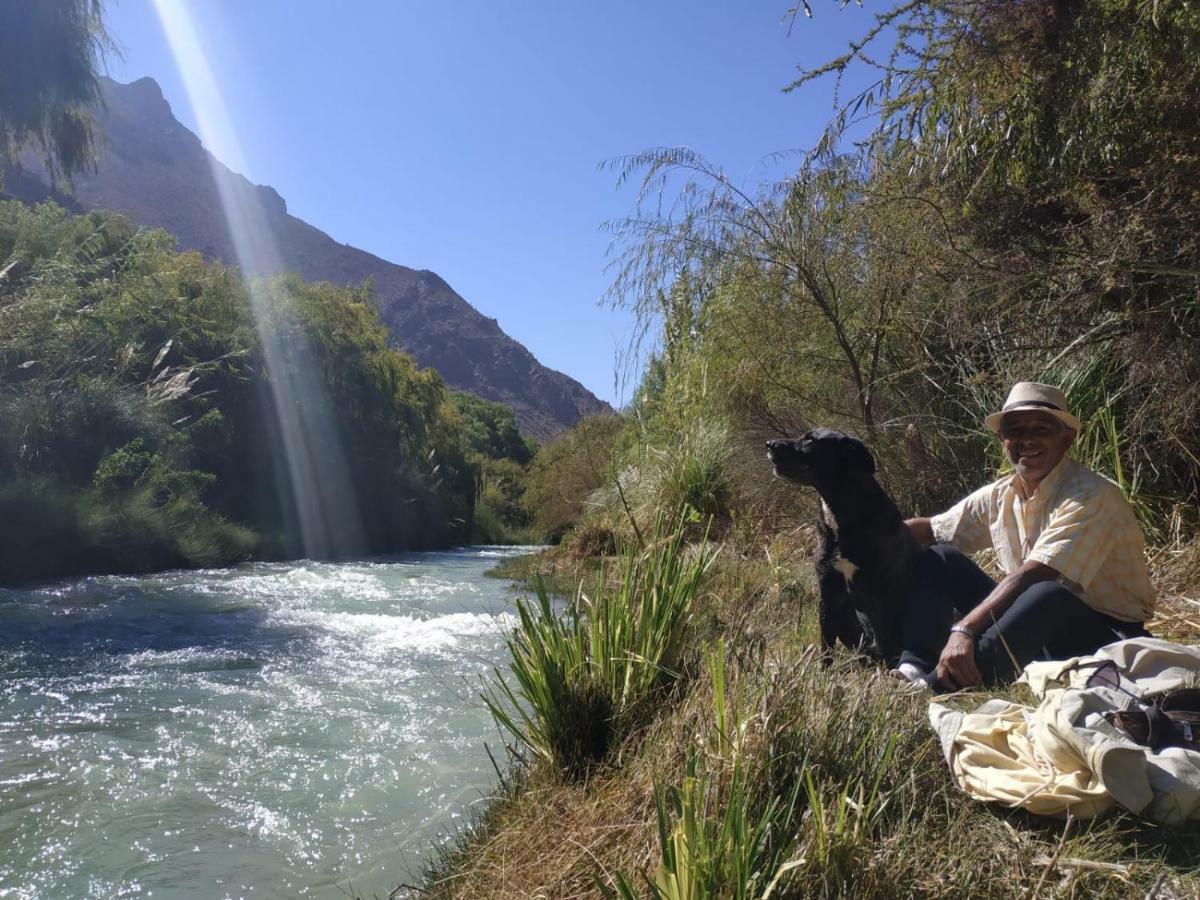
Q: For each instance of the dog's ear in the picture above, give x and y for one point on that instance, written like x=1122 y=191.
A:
x=858 y=456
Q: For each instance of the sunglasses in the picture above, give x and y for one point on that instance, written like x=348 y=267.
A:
x=1169 y=720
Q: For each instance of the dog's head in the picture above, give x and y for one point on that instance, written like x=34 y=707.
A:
x=821 y=456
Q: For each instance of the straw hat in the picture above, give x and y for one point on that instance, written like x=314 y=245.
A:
x=1029 y=395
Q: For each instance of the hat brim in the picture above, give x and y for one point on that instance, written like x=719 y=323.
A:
x=993 y=421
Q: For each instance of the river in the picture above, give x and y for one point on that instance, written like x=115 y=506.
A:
x=290 y=729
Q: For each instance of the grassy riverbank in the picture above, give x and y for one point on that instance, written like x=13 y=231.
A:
x=1020 y=204
x=774 y=763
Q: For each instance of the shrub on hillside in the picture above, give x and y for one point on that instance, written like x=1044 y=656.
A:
x=567 y=470
x=135 y=399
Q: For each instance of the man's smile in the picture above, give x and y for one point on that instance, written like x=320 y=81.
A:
x=1034 y=442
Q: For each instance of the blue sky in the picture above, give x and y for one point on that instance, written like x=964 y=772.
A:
x=467 y=138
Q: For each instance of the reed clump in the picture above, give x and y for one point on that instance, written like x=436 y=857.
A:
x=582 y=679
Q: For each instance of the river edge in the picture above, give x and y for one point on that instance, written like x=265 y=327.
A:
x=543 y=835
x=558 y=570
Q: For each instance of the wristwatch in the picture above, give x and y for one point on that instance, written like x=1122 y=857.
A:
x=963 y=629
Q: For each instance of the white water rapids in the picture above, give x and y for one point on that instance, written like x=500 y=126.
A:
x=277 y=730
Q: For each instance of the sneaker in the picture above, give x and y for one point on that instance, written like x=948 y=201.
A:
x=909 y=672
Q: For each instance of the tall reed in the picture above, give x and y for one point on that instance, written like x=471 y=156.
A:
x=580 y=679
x=717 y=836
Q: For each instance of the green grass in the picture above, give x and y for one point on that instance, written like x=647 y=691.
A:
x=714 y=836
x=779 y=772
x=580 y=679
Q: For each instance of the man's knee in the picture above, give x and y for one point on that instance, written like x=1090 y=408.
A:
x=1047 y=619
x=1075 y=627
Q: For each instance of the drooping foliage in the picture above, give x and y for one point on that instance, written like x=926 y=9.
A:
x=51 y=52
x=136 y=426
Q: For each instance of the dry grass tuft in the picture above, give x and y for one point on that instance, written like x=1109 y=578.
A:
x=549 y=839
x=1176 y=572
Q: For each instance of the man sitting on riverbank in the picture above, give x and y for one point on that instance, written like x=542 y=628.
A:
x=1067 y=540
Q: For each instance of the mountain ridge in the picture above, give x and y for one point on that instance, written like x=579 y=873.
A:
x=153 y=169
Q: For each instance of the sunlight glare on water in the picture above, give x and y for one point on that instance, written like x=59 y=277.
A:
x=278 y=730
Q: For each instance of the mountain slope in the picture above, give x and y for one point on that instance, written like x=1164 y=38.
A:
x=156 y=171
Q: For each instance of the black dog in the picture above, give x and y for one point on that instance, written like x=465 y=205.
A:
x=867 y=557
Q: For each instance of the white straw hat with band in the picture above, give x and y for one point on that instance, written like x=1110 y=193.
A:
x=1029 y=396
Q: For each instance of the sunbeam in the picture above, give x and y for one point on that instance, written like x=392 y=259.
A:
x=318 y=486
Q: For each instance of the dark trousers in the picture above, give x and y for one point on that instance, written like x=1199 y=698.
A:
x=1047 y=621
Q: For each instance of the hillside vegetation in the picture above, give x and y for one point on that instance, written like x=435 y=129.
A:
x=1025 y=206
x=136 y=425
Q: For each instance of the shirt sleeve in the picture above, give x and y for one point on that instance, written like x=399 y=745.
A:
x=1078 y=538
x=966 y=525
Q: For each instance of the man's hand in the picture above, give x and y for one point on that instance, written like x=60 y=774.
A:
x=956 y=668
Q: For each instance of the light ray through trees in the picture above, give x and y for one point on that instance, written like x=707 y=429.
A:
x=318 y=489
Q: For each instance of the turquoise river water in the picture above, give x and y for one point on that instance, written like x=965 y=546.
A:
x=277 y=730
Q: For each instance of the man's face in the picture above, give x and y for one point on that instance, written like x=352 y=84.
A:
x=1034 y=442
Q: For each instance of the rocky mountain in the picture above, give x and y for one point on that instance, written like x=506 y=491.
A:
x=157 y=172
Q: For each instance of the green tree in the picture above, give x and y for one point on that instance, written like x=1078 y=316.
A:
x=790 y=276
x=135 y=423
x=567 y=470
x=490 y=430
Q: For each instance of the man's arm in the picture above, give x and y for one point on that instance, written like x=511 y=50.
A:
x=922 y=530
x=957 y=668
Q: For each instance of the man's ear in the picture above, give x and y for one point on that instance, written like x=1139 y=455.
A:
x=1074 y=434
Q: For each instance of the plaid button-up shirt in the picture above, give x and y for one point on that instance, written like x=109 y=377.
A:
x=1076 y=522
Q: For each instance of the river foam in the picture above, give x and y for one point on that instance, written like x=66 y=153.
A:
x=277 y=730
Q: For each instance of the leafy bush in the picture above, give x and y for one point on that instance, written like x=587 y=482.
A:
x=566 y=471
x=135 y=400
x=489 y=430
x=593 y=537
x=487 y=526
x=689 y=471
x=693 y=474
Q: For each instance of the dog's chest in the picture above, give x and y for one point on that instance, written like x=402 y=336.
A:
x=838 y=562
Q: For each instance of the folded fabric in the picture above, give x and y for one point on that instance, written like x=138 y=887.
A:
x=1062 y=756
